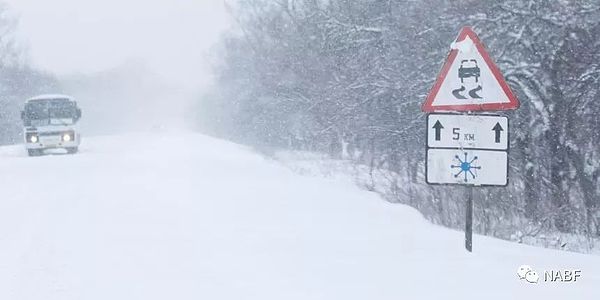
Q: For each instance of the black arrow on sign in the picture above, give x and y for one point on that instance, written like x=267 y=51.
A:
x=438 y=130
x=498 y=128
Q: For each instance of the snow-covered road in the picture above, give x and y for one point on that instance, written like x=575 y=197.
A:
x=185 y=216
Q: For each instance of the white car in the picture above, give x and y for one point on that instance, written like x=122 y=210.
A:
x=50 y=122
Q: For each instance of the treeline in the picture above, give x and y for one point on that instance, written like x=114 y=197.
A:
x=18 y=80
x=348 y=78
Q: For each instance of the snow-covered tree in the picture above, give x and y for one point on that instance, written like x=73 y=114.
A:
x=348 y=78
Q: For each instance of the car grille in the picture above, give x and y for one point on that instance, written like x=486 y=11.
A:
x=50 y=133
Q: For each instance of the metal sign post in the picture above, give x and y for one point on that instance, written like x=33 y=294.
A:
x=468 y=149
x=469 y=220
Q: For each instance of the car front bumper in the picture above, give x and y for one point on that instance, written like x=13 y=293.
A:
x=52 y=142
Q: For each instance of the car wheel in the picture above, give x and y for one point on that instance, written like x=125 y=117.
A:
x=72 y=150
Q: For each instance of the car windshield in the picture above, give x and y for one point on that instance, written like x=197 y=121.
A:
x=50 y=112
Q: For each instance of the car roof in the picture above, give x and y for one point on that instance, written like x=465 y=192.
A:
x=50 y=97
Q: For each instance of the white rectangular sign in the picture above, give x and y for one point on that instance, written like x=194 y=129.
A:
x=467 y=167
x=467 y=131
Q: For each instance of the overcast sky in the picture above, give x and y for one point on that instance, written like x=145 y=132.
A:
x=72 y=36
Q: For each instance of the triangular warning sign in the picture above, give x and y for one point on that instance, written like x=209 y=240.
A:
x=469 y=80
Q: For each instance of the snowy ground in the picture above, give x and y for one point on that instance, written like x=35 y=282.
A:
x=185 y=216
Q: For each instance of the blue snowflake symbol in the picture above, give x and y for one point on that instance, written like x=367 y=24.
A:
x=465 y=166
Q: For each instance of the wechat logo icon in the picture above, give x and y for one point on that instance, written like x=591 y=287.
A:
x=526 y=273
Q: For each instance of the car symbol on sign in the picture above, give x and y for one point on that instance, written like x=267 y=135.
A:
x=468 y=68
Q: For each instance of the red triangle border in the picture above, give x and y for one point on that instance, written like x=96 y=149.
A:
x=513 y=101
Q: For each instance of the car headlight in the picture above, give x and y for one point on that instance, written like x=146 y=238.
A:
x=31 y=137
x=67 y=137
